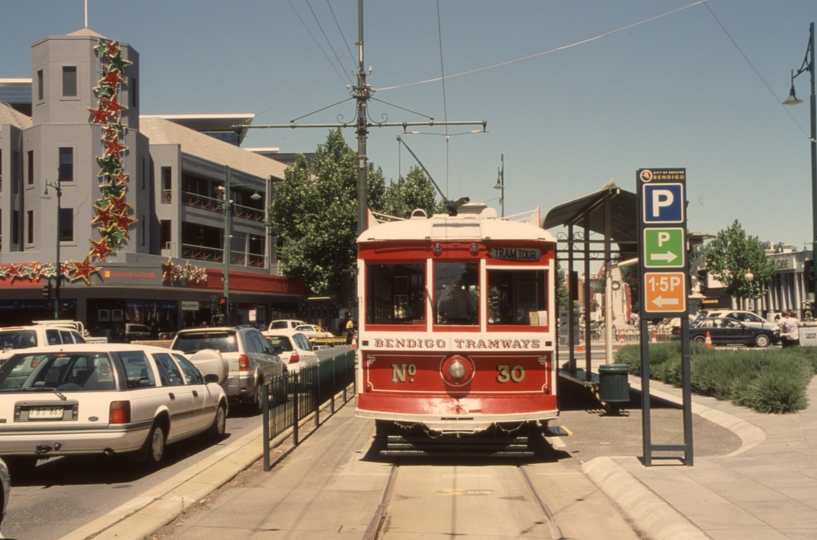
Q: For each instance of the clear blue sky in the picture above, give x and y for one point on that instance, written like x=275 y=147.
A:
x=698 y=88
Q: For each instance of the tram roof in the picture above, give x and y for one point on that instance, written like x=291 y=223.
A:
x=474 y=221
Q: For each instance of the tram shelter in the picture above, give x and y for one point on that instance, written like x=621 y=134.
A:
x=601 y=226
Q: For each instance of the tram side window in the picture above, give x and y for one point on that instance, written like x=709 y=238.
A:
x=395 y=293
x=517 y=297
x=456 y=293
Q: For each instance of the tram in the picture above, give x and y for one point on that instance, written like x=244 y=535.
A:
x=457 y=329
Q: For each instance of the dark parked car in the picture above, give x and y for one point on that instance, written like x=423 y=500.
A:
x=728 y=331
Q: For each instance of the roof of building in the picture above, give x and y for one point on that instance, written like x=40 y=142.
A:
x=86 y=32
x=211 y=122
x=9 y=116
x=162 y=131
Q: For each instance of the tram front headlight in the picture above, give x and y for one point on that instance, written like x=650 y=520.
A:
x=456 y=370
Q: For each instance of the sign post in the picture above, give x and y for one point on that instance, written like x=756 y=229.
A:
x=664 y=270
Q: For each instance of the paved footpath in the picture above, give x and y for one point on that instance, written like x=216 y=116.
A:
x=767 y=489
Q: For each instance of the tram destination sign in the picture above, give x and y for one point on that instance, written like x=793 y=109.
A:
x=662 y=242
x=516 y=254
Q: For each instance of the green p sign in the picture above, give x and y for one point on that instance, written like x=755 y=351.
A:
x=664 y=248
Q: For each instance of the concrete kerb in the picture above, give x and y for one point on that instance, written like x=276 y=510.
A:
x=142 y=516
x=653 y=516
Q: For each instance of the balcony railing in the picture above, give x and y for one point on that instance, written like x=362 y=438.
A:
x=211 y=254
x=202 y=202
x=167 y=196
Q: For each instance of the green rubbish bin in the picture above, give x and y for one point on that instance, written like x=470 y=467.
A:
x=613 y=384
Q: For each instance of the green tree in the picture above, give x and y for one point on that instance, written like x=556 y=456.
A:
x=413 y=191
x=562 y=294
x=315 y=212
x=731 y=255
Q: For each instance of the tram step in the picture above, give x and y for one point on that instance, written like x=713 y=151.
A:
x=448 y=445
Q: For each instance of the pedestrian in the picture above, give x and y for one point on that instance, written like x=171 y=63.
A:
x=350 y=330
x=781 y=324
x=792 y=328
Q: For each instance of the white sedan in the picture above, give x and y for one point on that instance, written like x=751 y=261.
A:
x=293 y=348
x=103 y=399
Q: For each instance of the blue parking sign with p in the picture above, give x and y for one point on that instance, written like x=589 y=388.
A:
x=663 y=203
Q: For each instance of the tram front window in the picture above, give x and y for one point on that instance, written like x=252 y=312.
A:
x=456 y=293
x=517 y=297
x=395 y=293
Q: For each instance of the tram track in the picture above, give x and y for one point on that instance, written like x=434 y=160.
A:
x=383 y=514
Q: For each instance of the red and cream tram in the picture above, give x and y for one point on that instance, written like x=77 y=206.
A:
x=457 y=327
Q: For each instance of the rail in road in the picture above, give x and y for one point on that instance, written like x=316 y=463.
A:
x=515 y=484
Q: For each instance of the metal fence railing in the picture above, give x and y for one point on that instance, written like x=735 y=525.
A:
x=291 y=397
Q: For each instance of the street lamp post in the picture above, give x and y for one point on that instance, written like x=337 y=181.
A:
x=226 y=205
x=808 y=65
x=58 y=274
x=500 y=185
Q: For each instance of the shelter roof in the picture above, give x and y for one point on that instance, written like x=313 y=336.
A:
x=624 y=224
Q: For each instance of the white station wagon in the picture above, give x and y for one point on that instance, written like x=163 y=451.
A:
x=103 y=399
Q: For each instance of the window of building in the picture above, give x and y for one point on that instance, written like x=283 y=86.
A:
x=30 y=167
x=66 y=165
x=164 y=234
x=69 y=81
x=15 y=227
x=30 y=228
x=167 y=185
x=144 y=172
x=15 y=172
x=142 y=232
x=133 y=93
x=40 y=85
x=66 y=224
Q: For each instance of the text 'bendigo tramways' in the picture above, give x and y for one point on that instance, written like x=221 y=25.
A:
x=399 y=343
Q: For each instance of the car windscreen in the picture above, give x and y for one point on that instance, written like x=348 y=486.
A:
x=278 y=324
x=63 y=372
x=17 y=339
x=198 y=341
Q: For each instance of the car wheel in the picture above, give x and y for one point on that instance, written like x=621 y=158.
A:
x=216 y=431
x=700 y=340
x=258 y=400
x=762 y=340
x=155 y=444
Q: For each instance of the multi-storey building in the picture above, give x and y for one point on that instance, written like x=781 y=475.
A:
x=146 y=216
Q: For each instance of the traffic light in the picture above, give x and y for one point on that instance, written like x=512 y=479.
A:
x=222 y=303
x=47 y=289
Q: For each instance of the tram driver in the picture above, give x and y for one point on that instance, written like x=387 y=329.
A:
x=456 y=305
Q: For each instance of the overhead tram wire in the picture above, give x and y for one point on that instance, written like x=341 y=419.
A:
x=332 y=63
x=445 y=102
x=557 y=49
x=328 y=42
x=340 y=31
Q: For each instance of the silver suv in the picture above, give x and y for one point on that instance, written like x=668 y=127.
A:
x=250 y=359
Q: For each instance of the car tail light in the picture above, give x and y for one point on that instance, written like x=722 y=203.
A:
x=294 y=358
x=243 y=363
x=119 y=413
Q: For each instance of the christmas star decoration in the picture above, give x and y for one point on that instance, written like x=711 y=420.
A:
x=113 y=189
x=104 y=91
x=101 y=47
x=118 y=63
x=169 y=271
x=112 y=49
x=100 y=249
x=113 y=106
x=112 y=131
x=111 y=77
x=104 y=216
x=109 y=165
x=119 y=205
x=122 y=178
x=113 y=235
x=123 y=221
x=100 y=115
x=114 y=148
x=83 y=270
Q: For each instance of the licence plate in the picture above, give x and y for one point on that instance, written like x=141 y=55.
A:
x=45 y=413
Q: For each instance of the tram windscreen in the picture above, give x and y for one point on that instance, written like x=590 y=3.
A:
x=456 y=293
x=395 y=293
x=517 y=297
